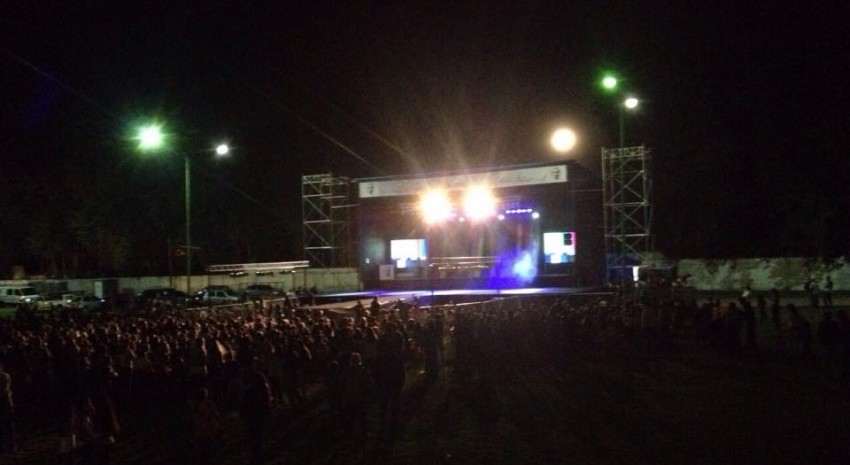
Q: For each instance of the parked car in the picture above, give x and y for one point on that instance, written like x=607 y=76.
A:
x=85 y=302
x=167 y=294
x=213 y=287
x=216 y=296
x=18 y=294
x=260 y=291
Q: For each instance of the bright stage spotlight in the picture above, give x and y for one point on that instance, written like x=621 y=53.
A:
x=479 y=203
x=435 y=206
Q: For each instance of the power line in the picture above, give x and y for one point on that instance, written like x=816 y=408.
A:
x=352 y=120
x=325 y=135
x=33 y=67
x=71 y=90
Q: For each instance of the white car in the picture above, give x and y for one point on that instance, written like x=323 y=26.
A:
x=218 y=297
x=86 y=302
x=18 y=294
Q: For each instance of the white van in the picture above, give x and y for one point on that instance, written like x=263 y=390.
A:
x=18 y=294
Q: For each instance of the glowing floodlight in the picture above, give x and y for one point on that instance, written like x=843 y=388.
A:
x=434 y=206
x=535 y=215
x=479 y=203
x=563 y=140
x=631 y=103
x=609 y=83
x=222 y=150
x=150 y=137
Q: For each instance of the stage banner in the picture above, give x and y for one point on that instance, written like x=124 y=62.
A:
x=494 y=179
x=386 y=272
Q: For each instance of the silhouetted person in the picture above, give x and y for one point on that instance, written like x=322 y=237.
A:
x=761 y=304
x=255 y=409
x=749 y=327
x=374 y=307
x=355 y=396
x=827 y=292
x=801 y=330
x=7 y=414
x=734 y=322
x=390 y=374
x=829 y=336
x=205 y=425
x=811 y=288
x=776 y=315
x=358 y=312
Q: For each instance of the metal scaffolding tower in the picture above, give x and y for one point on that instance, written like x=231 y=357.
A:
x=628 y=210
x=326 y=212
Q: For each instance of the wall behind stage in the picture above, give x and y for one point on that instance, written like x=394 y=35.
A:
x=763 y=273
x=326 y=280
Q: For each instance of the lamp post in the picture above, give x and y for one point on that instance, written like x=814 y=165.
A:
x=151 y=138
x=629 y=104
x=609 y=84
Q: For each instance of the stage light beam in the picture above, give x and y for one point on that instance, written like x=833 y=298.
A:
x=434 y=205
x=479 y=203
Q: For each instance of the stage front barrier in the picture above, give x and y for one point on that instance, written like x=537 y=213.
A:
x=465 y=267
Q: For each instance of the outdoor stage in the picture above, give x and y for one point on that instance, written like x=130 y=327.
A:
x=347 y=301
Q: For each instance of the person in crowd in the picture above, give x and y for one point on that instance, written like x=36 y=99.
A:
x=829 y=337
x=8 y=444
x=761 y=305
x=750 y=326
x=812 y=290
x=374 y=307
x=255 y=409
x=356 y=387
x=205 y=426
x=826 y=292
x=801 y=331
x=390 y=375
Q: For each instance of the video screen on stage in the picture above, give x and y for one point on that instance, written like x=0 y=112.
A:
x=559 y=247
x=406 y=252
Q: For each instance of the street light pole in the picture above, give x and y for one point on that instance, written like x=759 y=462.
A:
x=630 y=103
x=187 y=172
x=151 y=138
x=622 y=126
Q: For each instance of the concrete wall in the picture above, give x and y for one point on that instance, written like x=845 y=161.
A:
x=763 y=273
x=325 y=279
x=704 y=275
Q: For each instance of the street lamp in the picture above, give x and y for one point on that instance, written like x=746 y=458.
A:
x=630 y=104
x=151 y=137
x=610 y=83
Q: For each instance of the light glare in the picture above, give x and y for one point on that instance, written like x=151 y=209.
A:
x=150 y=137
x=222 y=149
x=479 y=203
x=609 y=82
x=563 y=140
x=631 y=103
x=434 y=206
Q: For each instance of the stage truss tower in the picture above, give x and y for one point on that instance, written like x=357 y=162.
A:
x=326 y=210
x=627 y=209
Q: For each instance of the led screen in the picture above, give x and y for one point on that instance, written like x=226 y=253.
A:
x=404 y=251
x=559 y=247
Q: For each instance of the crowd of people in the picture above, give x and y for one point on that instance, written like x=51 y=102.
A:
x=82 y=370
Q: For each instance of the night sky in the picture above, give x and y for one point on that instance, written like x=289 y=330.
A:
x=744 y=106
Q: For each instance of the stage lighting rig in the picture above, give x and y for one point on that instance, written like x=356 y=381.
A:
x=435 y=206
x=479 y=203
